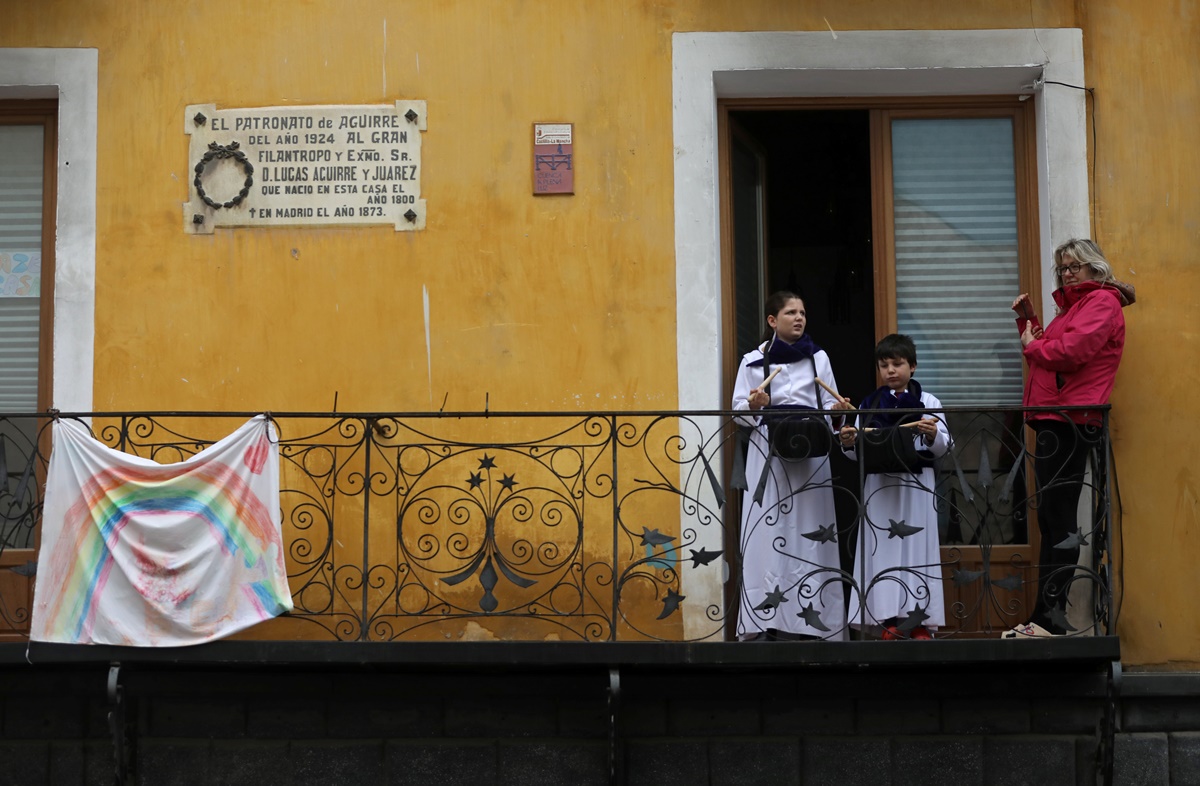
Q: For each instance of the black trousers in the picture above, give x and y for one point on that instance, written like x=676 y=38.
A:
x=1061 y=454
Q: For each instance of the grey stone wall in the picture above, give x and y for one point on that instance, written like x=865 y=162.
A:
x=537 y=725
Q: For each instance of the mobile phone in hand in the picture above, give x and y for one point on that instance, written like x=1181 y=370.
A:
x=1024 y=309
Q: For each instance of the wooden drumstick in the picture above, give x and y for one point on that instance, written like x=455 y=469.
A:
x=767 y=381
x=831 y=391
x=902 y=425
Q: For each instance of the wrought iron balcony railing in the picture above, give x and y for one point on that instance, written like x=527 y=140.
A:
x=620 y=526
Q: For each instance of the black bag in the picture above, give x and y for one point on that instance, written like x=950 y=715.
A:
x=891 y=450
x=796 y=433
x=799 y=434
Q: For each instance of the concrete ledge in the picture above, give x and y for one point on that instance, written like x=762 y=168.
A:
x=1173 y=685
x=817 y=654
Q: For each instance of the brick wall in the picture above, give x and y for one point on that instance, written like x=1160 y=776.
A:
x=538 y=724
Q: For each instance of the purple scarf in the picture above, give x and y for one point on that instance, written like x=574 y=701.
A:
x=884 y=398
x=780 y=352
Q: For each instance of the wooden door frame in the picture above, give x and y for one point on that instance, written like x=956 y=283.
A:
x=1028 y=247
x=727 y=129
x=43 y=112
x=881 y=110
x=1025 y=187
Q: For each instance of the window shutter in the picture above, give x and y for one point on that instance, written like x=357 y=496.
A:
x=20 y=265
x=956 y=249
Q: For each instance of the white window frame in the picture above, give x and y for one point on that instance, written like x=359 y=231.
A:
x=71 y=76
x=709 y=66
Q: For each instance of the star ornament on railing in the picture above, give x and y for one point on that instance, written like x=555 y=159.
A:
x=1072 y=541
x=28 y=570
x=1058 y=618
x=813 y=618
x=898 y=529
x=824 y=533
x=489 y=558
x=915 y=618
x=965 y=577
x=652 y=537
x=17 y=506
x=774 y=599
x=671 y=603
x=1011 y=582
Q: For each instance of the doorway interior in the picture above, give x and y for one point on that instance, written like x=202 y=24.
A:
x=809 y=208
x=802 y=222
x=811 y=170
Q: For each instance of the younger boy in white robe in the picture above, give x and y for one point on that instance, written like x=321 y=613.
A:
x=897 y=563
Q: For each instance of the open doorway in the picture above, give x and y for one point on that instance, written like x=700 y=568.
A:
x=802 y=222
x=915 y=217
x=814 y=212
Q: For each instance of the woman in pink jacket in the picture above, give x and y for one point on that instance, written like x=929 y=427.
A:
x=1073 y=362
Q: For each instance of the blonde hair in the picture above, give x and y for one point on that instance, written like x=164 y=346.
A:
x=1085 y=252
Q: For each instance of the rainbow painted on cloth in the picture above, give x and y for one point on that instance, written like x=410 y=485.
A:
x=211 y=492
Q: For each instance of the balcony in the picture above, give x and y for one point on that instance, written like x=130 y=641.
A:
x=510 y=572
x=591 y=527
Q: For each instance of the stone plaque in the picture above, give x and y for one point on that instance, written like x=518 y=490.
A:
x=304 y=166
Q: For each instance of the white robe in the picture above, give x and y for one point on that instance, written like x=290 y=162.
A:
x=798 y=499
x=900 y=574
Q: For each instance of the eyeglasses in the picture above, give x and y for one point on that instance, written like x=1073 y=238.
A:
x=1074 y=267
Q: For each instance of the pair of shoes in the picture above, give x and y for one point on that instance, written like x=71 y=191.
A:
x=920 y=633
x=1028 y=630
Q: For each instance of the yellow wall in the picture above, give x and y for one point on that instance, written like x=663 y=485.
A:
x=1142 y=61
x=556 y=303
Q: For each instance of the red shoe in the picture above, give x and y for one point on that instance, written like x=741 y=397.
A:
x=892 y=633
x=921 y=633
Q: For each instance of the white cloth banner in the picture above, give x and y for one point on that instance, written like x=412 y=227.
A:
x=144 y=554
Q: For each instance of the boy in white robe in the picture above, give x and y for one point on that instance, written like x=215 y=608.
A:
x=897 y=563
